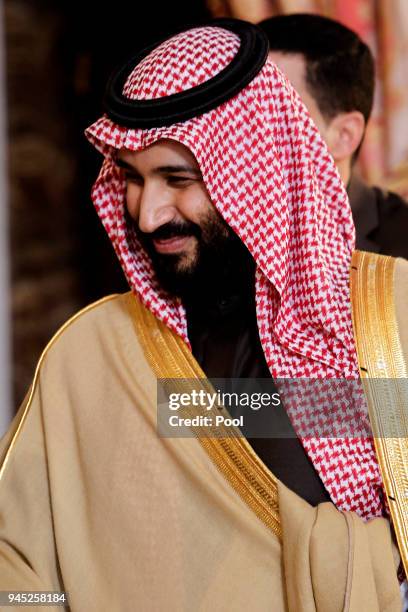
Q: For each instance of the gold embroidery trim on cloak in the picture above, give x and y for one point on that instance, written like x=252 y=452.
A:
x=380 y=357
x=169 y=357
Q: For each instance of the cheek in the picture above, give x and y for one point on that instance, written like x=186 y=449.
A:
x=196 y=204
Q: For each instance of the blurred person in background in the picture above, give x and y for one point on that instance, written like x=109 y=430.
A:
x=333 y=71
x=235 y=234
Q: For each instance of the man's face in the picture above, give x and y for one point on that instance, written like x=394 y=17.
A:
x=175 y=220
x=294 y=67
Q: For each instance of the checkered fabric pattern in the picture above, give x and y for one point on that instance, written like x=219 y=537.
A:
x=270 y=176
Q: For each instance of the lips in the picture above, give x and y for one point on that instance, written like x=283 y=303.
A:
x=171 y=245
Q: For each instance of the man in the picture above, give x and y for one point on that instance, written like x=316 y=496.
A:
x=233 y=229
x=333 y=71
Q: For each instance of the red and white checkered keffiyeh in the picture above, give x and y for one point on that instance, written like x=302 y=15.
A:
x=270 y=176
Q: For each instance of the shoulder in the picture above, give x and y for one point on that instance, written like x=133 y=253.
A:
x=107 y=306
x=390 y=203
x=379 y=296
x=90 y=377
x=392 y=230
x=95 y=355
x=401 y=268
x=401 y=281
x=95 y=314
x=401 y=300
x=96 y=326
x=398 y=266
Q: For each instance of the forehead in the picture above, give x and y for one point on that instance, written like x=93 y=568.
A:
x=161 y=153
x=293 y=66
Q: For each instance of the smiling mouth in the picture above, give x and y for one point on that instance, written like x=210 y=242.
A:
x=171 y=245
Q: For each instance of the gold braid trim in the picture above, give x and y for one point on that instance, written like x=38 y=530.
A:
x=380 y=357
x=169 y=357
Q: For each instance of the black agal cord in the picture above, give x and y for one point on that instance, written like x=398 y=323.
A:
x=250 y=58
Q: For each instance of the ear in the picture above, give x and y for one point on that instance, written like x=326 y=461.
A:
x=344 y=134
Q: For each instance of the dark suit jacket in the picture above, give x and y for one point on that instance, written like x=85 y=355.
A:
x=381 y=219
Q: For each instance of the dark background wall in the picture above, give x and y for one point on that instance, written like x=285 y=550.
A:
x=59 y=56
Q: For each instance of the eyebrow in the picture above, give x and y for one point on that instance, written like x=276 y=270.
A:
x=160 y=169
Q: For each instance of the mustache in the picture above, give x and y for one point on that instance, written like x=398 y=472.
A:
x=171 y=230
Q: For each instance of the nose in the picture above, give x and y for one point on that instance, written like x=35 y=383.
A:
x=150 y=206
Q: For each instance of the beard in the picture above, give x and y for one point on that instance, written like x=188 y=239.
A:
x=218 y=264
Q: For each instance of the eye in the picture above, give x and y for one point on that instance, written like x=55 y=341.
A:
x=132 y=177
x=179 y=181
